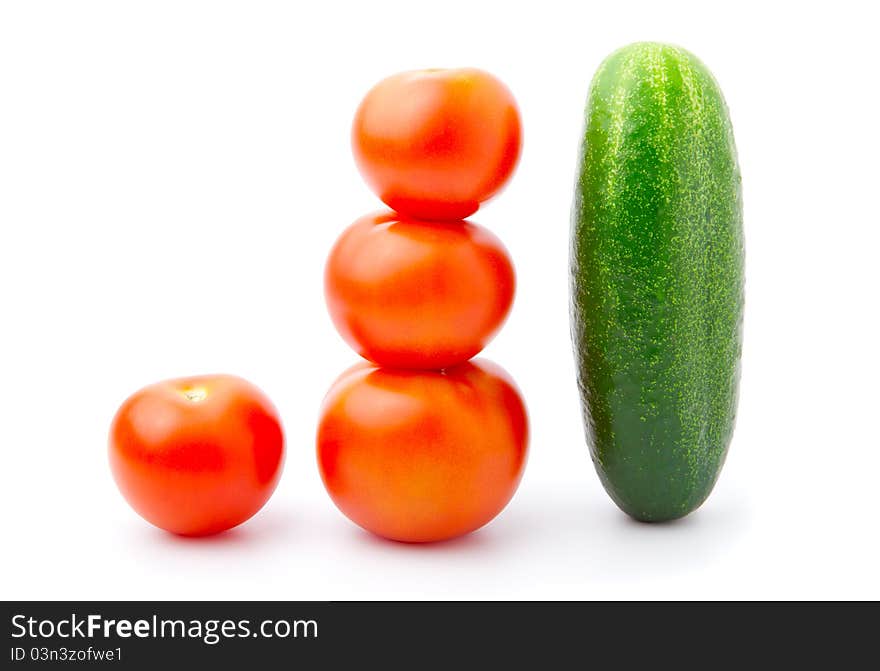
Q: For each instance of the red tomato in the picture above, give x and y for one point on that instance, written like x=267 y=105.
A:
x=197 y=455
x=418 y=294
x=421 y=456
x=434 y=144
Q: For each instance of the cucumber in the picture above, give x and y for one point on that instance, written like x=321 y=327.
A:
x=657 y=279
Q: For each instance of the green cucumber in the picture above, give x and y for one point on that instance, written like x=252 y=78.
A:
x=657 y=279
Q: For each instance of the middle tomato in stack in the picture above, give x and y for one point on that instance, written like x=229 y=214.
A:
x=418 y=294
x=429 y=446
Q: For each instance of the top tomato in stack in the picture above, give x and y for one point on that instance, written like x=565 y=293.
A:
x=435 y=144
x=419 y=287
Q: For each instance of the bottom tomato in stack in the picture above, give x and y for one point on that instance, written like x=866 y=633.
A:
x=417 y=455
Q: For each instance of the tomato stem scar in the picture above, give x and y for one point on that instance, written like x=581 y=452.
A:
x=195 y=395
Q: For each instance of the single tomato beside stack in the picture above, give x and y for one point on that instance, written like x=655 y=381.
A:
x=197 y=455
x=423 y=445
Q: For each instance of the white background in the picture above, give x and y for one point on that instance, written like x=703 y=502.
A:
x=172 y=175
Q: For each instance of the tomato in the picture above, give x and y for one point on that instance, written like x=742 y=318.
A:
x=421 y=456
x=197 y=455
x=418 y=294
x=434 y=144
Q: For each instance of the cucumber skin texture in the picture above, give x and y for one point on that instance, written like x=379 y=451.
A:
x=657 y=279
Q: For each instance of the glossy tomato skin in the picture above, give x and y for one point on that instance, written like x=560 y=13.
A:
x=418 y=294
x=198 y=455
x=434 y=144
x=422 y=456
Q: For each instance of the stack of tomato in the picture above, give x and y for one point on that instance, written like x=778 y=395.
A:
x=418 y=443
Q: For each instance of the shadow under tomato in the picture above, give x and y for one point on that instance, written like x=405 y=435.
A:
x=477 y=542
x=266 y=527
